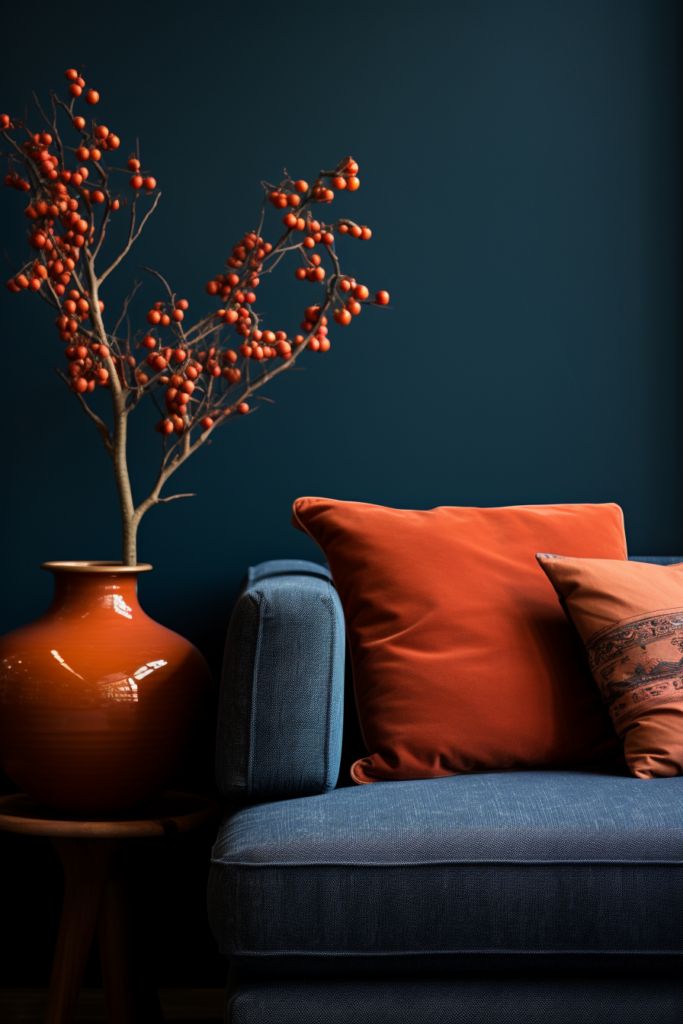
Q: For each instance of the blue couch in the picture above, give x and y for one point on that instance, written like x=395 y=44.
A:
x=538 y=896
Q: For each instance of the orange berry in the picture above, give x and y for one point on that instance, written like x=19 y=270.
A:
x=338 y=182
x=243 y=407
x=136 y=181
x=207 y=422
x=150 y=183
x=301 y=185
x=154 y=316
x=361 y=292
x=96 y=196
x=353 y=183
x=71 y=74
x=382 y=298
x=79 y=123
x=83 y=153
x=113 y=141
x=75 y=89
x=365 y=233
x=289 y=220
x=353 y=307
x=133 y=164
x=92 y=97
x=342 y=316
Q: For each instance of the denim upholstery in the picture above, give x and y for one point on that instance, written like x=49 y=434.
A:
x=281 y=701
x=543 y=862
x=286 y=567
x=475 y=1001
x=452 y=900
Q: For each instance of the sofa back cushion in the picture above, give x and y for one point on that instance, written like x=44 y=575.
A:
x=462 y=657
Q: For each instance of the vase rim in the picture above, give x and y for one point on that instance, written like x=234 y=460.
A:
x=97 y=568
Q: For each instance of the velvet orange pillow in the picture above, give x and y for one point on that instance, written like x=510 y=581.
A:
x=630 y=618
x=462 y=658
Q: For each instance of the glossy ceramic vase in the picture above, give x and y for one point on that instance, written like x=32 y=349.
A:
x=97 y=700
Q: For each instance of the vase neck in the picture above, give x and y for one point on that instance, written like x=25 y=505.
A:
x=92 y=588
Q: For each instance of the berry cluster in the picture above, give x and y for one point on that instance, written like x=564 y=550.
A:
x=199 y=374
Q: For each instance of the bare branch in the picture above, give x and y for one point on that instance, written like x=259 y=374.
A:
x=174 y=497
x=133 y=235
x=99 y=423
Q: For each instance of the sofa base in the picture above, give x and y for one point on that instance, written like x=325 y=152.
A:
x=559 y=1000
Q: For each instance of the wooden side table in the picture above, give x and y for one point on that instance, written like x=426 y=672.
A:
x=95 y=895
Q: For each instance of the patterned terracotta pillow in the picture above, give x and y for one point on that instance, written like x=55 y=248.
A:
x=630 y=618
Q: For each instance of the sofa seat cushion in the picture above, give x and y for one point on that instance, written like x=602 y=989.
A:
x=519 y=863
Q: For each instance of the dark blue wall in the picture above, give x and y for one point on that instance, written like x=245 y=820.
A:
x=521 y=168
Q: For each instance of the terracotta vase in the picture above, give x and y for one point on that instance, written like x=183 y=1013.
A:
x=97 y=700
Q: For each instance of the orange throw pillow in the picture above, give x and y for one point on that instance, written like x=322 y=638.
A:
x=630 y=618
x=462 y=658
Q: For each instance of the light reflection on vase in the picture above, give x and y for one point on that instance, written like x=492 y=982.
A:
x=97 y=700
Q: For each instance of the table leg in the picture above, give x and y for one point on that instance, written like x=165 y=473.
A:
x=129 y=999
x=86 y=865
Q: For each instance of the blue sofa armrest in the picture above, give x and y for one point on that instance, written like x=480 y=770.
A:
x=282 y=687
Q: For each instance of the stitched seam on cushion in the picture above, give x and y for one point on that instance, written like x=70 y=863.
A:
x=302 y=525
x=258 y=601
x=268 y=865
